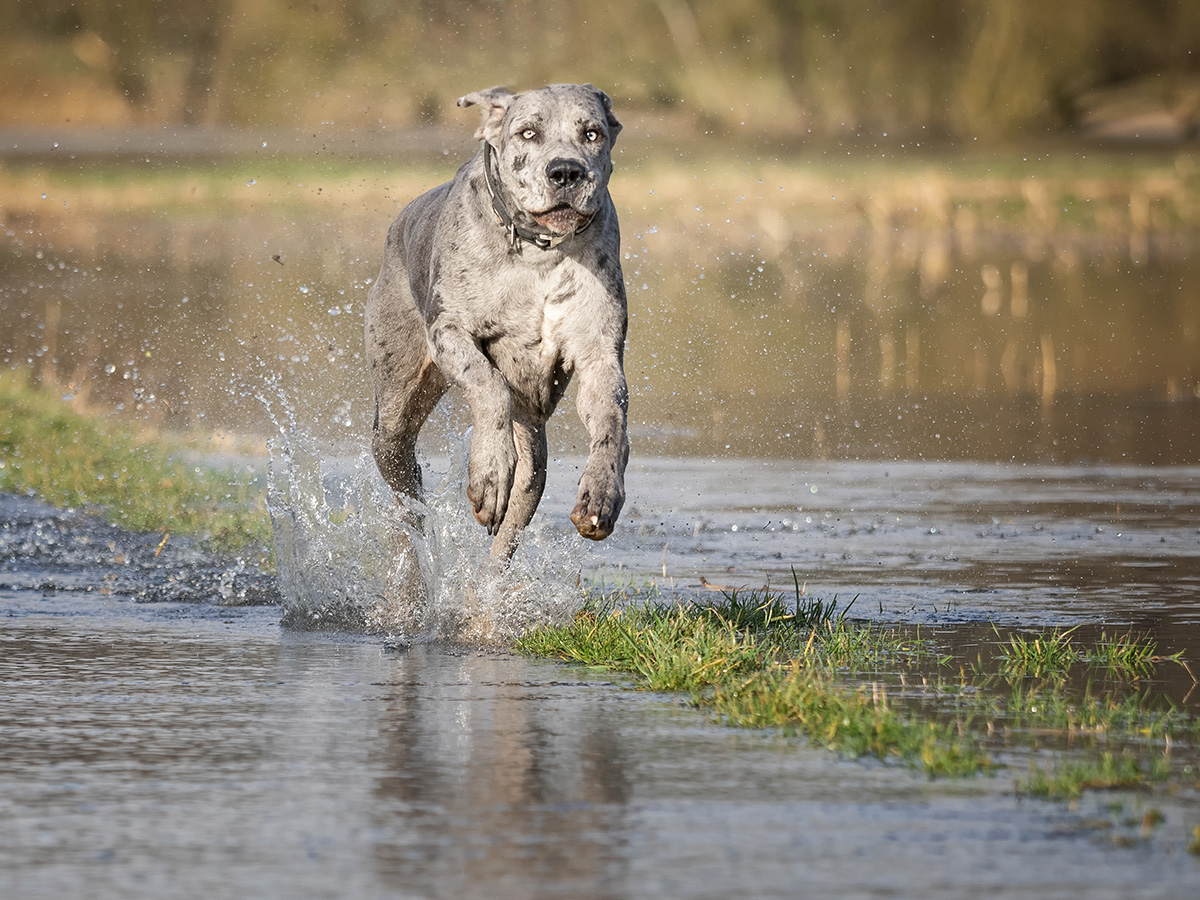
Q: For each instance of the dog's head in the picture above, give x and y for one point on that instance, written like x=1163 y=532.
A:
x=552 y=148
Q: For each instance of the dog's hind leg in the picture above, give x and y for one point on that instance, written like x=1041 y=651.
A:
x=399 y=416
x=407 y=388
x=529 y=481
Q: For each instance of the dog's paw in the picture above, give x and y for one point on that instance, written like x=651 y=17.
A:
x=490 y=479
x=598 y=505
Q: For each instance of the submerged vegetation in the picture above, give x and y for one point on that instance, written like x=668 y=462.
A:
x=1053 y=652
x=70 y=459
x=1069 y=779
x=884 y=691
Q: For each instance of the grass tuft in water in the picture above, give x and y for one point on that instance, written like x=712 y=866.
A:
x=1070 y=778
x=669 y=648
x=759 y=660
x=1131 y=655
x=73 y=460
x=1046 y=653
x=756 y=661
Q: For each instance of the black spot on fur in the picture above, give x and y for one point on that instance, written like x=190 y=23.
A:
x=566 y=290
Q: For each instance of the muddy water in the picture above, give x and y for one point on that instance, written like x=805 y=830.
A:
x=192 y=750
x=162 y=735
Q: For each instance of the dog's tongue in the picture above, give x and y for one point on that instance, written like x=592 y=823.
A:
x=561 y=220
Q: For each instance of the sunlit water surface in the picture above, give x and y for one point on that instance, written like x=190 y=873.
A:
x=161 y=738
x=183 y=750
x=902 y=541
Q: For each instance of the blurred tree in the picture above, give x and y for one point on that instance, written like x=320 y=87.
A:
x=967 y=68
x=135 y=38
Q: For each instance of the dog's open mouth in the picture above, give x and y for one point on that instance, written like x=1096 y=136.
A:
x=561 y=219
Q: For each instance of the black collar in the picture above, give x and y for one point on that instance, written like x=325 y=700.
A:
x=544 y=240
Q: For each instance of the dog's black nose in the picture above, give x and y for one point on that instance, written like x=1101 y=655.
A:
x=565 y=173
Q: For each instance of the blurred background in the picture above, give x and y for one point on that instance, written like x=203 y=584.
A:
x=775 y=69
x=852 y=229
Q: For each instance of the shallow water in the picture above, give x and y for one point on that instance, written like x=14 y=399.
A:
x=185 y=750
x=1034 y=544
x=930 y=543
x=155 y=747
x=162 y=735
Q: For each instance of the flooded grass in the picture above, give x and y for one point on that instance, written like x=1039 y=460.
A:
x=1070 y=191
x=777 y=668
x=1069 y=779
x=1131 y=655
x=1053 y=652
x=890 y=692
x=70 y=459
x=1043 y=654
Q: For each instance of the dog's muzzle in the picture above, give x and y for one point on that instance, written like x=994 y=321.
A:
x=560 y=222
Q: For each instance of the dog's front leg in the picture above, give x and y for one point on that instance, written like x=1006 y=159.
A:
x=493 y=455
x=603 y=405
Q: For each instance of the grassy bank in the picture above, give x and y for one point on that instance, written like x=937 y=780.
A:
x=891 y=693
x=141 y=482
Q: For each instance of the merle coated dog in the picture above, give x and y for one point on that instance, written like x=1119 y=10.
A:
x=506 y=283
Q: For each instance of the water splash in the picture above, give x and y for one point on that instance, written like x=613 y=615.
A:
x=351 y=558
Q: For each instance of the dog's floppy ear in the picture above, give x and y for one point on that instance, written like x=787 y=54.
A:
x=614 y=127
x=495 y=102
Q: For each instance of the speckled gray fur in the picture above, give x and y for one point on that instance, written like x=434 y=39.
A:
x=459 y=302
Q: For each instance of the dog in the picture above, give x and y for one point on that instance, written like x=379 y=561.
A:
x=506 y=283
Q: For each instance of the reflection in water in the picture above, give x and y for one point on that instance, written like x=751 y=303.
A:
x=914 y=340
x=485 y=774
x=449 y=775
x=157 y=750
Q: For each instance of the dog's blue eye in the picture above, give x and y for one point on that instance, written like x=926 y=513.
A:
x=529 y=134
x=592 y=134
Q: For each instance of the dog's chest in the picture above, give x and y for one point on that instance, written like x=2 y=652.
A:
x=530 y=311
x=528 y=339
